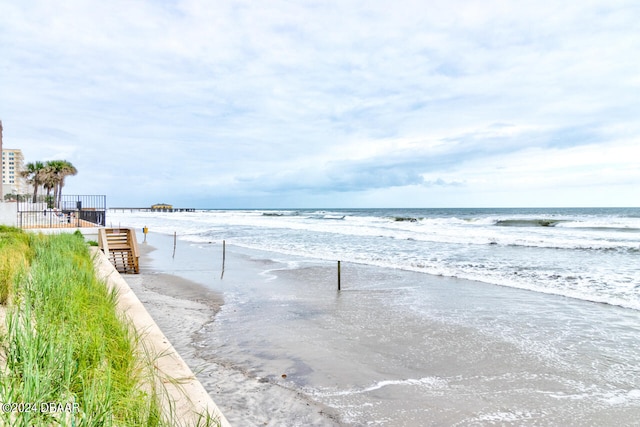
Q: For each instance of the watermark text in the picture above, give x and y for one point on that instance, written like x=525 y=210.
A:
x=48 y=407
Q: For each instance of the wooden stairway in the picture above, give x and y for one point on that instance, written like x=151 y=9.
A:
x=121 y=247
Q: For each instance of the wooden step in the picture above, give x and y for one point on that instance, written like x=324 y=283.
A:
x=121 y=247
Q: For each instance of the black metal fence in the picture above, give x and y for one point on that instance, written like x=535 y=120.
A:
x=71 y=211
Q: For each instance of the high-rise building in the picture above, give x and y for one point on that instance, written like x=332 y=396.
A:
x=1 y=171
x=12 y=181
x=12 y=165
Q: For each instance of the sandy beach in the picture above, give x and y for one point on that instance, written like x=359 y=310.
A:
x=274 y=343
x=182 y=309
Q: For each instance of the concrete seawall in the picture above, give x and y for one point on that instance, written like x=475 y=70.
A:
x=185 y=398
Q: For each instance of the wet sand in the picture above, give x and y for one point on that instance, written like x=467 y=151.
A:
x=182 y=309
x=393 y=348
x=183 y=397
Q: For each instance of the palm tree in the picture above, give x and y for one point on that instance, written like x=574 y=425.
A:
x=49 y=179
x=64 y=170
x=59 y=170
x=54 y=170
x=34 y=172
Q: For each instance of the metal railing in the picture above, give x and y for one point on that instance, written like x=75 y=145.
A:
x=71 y=211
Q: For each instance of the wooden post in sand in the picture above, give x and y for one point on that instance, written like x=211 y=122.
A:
x=338 y=275
x=224 y=255
x=174 y=245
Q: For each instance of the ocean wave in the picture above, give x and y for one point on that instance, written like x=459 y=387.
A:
x=276 y=213
x=330 y=216
x=603 y=250
x=426 y=382
x=405 y=218
x=604 y=228
x=542 y=222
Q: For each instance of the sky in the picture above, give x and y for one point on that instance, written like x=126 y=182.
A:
x=328 y=103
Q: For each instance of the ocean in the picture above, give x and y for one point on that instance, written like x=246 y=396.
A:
x=589 y=254
x=446 y=317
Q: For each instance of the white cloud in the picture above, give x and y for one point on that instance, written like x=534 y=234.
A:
x=307 y=102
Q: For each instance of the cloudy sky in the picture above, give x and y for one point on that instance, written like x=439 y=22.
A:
x=328 y=103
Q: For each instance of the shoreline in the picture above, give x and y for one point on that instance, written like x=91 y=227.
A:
x=184 y=309
x=394 y=347
x=185 y=397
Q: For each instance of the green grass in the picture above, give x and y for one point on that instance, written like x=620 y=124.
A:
x=15 y=255
x=64 y=340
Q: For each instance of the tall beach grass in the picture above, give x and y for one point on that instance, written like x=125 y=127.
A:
x=15 y=255
x=65 y=349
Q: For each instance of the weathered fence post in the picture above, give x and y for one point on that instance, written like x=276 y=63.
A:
x=338 y=275
x=174 y=245
x=224 y=255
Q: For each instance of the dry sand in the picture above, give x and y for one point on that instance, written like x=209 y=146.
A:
x=182 y=309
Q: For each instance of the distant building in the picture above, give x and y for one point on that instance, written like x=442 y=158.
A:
x=1 y=170
x=162 y=207
x=12 y=165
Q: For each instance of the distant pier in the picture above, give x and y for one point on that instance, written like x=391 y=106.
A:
x=163 y=209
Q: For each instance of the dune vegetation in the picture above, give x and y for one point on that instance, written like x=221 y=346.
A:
x=66 y=356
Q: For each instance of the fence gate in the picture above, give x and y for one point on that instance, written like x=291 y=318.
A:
x=69 y=212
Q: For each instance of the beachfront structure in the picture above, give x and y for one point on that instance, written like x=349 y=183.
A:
x=1 y=170
x=154 y=208
x=12 y=180
x=162 y=207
